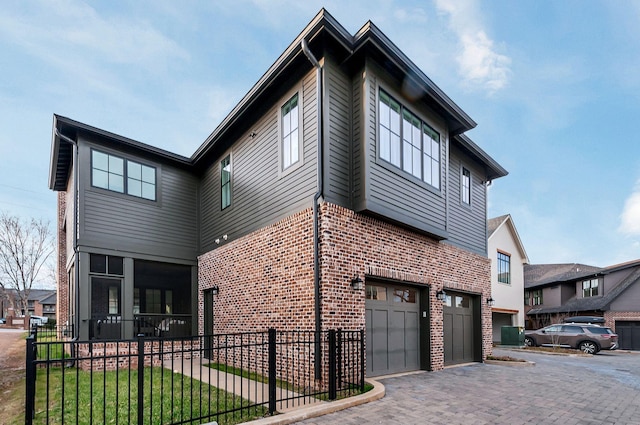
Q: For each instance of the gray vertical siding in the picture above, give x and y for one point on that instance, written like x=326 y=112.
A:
x=260 y=194
x=337 y=148
x=467 y=224
x=166 y=228
x=389 y=191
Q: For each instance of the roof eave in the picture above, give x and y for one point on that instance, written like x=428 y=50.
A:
x=494 y=170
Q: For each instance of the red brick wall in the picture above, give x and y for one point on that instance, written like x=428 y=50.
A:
x=62 y=306
x=266 y=277
x=610 y=317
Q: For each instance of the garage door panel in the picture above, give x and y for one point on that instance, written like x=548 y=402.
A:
x=459 y=323
x=380 y=340
x=628 y=334
x=393 y=331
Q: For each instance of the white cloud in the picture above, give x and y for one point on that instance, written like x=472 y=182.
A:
x=630 y=217
x=480 y=65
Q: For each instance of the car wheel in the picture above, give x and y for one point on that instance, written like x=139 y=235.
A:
x=588 y=347
x=529 y=342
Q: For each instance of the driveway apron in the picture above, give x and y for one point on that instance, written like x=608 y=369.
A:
x=600 y=389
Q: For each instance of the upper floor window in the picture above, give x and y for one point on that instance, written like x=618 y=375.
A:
x=465 y=186
x=590 y=288
x=407 y=142
x=135 y=179
x=225 y=181
x=290 y=137
x=536 y=296
x=504 y=268
x=106 y=264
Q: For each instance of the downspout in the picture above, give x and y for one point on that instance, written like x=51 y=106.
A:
x=76 y=261
x=316 y=212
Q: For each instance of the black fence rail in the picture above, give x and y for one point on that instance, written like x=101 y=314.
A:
x=149 y=325
x=228 y=378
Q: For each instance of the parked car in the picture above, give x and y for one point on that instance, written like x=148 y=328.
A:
x=3 y=320
x=38 y=320
x=587 y=338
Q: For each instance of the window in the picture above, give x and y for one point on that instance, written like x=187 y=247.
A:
x=290 y=139
x=536 y=296
x=527 y=298
x=153 y=299
x=374 y=292
x=590 y=288
x=225 y=181
x=136 y=179
x=407 y=142
x=404 y=296
x=114 y=300
x=504 y=268
x=465 y=183
x=104 y=264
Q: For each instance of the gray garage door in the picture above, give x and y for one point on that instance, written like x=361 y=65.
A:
x=460 y=340
x=628 y=335
x=393 y=331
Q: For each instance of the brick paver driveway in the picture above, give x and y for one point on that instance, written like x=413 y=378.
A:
x=601 y=389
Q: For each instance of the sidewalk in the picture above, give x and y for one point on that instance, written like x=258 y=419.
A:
x=289 y=411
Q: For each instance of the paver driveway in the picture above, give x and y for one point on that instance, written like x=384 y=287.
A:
x=601 y=389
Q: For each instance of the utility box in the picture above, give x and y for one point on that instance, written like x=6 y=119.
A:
x=512 y=335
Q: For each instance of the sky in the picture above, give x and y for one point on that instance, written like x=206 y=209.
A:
x=553 y=85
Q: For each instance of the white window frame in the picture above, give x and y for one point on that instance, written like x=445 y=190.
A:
x=465 y=186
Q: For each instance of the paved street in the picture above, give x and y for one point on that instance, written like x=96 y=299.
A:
x=602 y=389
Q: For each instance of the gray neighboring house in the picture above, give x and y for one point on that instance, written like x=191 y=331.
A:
x=556 y=291
x=341 y=192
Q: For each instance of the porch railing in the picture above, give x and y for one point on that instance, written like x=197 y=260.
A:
x=148 y=325
x=227 y=378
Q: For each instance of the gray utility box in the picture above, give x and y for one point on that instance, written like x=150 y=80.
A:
x=512 y=335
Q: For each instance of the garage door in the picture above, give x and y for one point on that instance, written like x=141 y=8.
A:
x=393 y=330
x=460 y=329
x=628 y=335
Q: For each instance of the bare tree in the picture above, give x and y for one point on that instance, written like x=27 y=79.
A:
x=25 y=248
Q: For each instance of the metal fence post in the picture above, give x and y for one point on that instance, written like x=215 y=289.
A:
x=339 y=359
x=140 y=378
x=272 y=371
x=30 y=401
x=362 y=360
x=332 y=365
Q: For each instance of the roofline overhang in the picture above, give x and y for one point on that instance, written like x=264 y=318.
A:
x=494 y=170
x=66 y=130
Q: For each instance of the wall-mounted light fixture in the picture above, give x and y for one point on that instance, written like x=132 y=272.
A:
x=441 y=295
x=491 y=302
x=215 y=290
x=357 y=283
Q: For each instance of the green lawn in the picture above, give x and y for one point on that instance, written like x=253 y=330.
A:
x=112 y=397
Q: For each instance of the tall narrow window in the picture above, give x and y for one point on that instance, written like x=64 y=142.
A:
x=290 y=139
x=466 y=186
x=504 y=268
x=225 y=181
x=537 y=297
x=114 y=298
x=407 y=142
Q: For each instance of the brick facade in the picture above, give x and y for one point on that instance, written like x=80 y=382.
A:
x=610 y=317
x=62 y=304
x=266 y=278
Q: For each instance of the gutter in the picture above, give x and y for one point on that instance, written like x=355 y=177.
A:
x=76 y=260
x=316 y=212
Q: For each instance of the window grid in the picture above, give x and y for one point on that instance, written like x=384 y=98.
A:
x=407 y=142
x=504 y=268
x=590 y=288
x=537 y=297
x=121 y=175
x=290 y=139
x=466 y=186
x=225 y=181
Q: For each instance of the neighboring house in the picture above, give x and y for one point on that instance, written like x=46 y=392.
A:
x=344 y=165
x=556 y=291
x=508 y=258
x=42 y=302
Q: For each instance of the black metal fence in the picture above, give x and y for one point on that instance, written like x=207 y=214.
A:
x=228 y=378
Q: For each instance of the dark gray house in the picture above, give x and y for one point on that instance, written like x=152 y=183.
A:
x=556 y=291
x=341 y=192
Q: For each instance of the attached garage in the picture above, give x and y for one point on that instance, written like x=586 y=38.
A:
x=628 y=334
x=462 y=328
x=394 y=320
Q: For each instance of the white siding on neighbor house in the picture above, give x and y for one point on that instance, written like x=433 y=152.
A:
x=508 y=297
